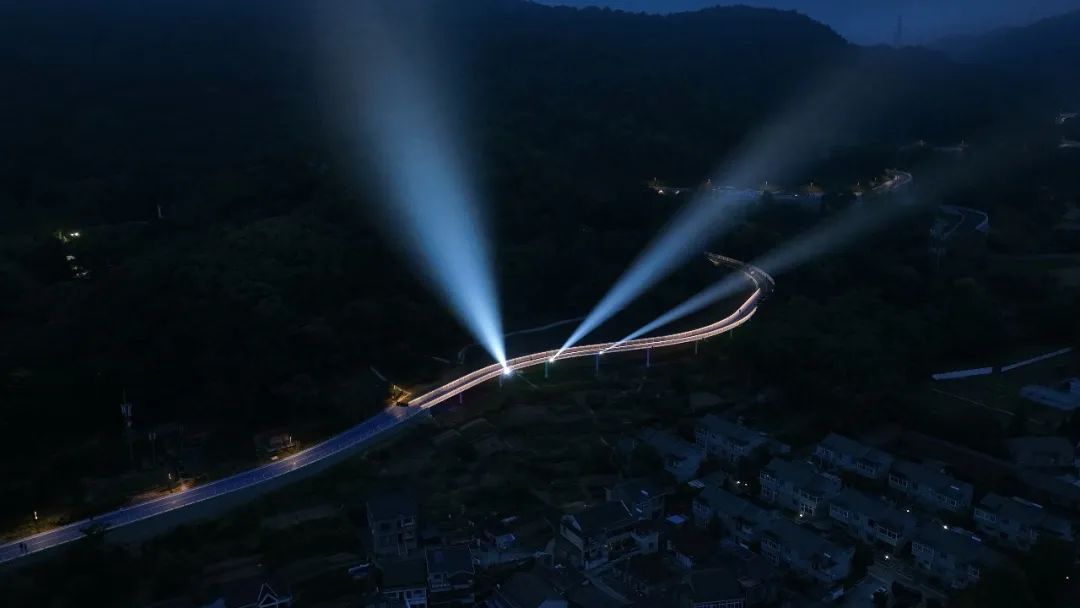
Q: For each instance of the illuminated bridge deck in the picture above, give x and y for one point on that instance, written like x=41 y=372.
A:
x=378 y=426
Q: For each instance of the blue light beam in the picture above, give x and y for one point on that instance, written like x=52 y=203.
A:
x=429 y=201
x=727 y=286
x=848 y=227
x=795 y=138
x=686 y=235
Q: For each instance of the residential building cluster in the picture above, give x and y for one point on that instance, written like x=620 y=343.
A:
x=729 y=518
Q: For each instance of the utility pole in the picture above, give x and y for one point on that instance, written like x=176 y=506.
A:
x=125 y=411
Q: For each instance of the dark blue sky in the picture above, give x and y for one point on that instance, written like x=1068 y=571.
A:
x=872 y=21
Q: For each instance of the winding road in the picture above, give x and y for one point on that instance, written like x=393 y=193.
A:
x=382 y=423
x=968 y=220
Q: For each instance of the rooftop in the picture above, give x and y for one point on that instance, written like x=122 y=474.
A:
x=528 y=589
x=408 y=573
x=876 y=508
x=729 y=504
x=562 y=579
x=803 y=540
x=802 y=475
x=714 y=585
x=1022 y=511
x=378 y=600
x=733 y=431
x=941 y=482
x=632 y=491
x=844 y=445
x=591 y=596
x=1063 y=396
x=648 y=569
x=449 y=560
x=746 y=564
x=390 y=506
x=668 y=444
x=254 y=590
x=717 y=478
x=1059 y=488
x=690 y=542
x=1050 y=445
x=957 y=543
x=601 y=518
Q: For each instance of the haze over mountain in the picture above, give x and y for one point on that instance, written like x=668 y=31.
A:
x=875 y=22
x=1049 y=49
x=219 y=115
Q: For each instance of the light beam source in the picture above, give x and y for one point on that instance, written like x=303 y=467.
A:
x=727 y=286
x=429 y=203
x=683 y=237
x=795 y=138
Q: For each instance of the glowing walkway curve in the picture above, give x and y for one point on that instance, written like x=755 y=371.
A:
x=381 y=423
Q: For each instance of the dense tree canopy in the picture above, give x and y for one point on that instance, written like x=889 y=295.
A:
x=226 y=274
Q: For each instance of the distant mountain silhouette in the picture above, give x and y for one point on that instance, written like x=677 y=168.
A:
x=874 y=22
x=1049 y=48
x=177 y=87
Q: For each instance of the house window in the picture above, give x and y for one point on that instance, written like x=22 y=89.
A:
x=891 y=535
x=724 y=604
x=920 y=549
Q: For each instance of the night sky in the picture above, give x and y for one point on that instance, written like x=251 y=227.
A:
x=874 y=21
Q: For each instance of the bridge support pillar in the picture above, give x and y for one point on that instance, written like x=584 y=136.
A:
x=696 y=345
x=547 y=369
x=648 y=357
x=460 y=398
x=596 y=370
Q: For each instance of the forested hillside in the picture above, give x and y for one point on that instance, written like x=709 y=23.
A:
x=225 y=273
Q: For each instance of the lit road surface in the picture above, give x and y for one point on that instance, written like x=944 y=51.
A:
x=384 y=421
x=896 y=180
x=968 y=220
